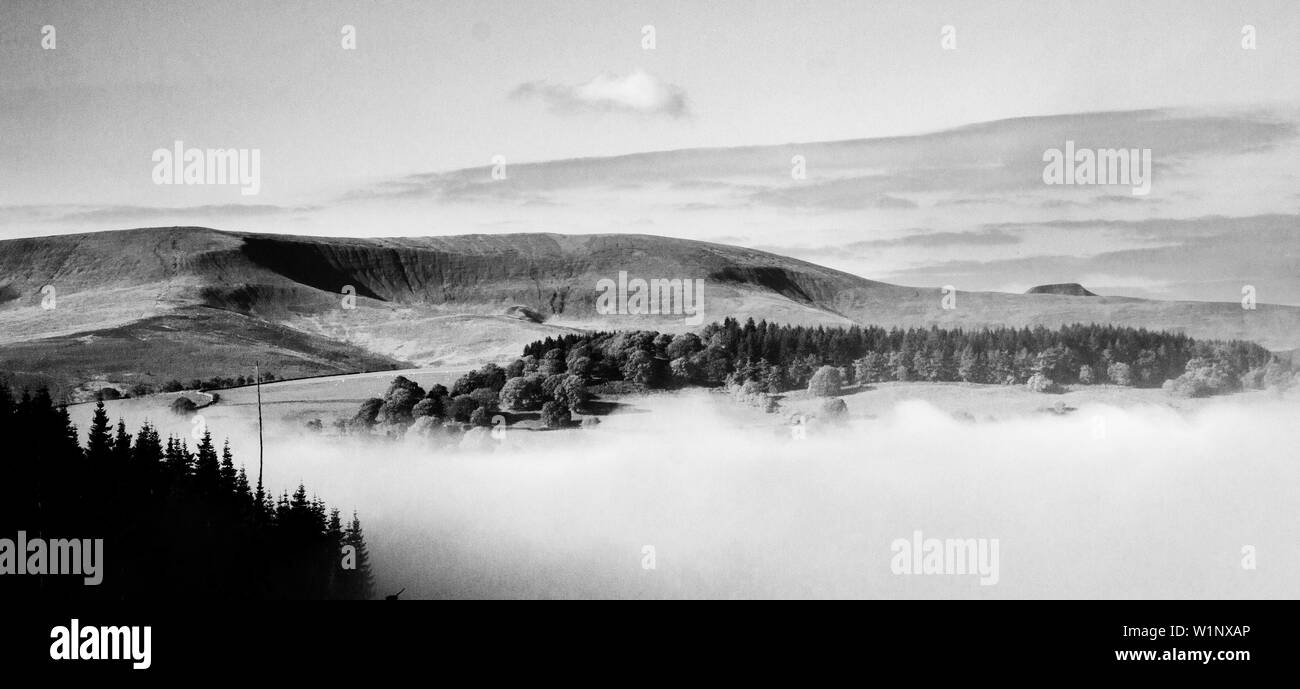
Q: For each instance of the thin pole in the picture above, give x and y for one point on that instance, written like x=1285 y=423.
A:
x=257 y=373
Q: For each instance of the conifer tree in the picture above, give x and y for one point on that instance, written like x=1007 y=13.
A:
x=13 y=468
x=207 y=468
x=360 y=582
x=227 y=469
x=241 y=483
x=165 y=534
x=99 y=444
x=69 y=441
x=7 y=407
x=121 y=447
x=146 y=459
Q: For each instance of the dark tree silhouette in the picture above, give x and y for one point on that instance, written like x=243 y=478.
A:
x=358 y=582
x=784 y=357
x=176 y=525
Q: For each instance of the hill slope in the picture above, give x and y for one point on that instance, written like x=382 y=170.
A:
x=1070 y=289
x=317 y=305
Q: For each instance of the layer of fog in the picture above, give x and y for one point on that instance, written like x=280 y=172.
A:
x=1103 y=502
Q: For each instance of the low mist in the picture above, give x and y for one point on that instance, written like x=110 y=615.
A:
x=1143 y=502
x=1104 y=502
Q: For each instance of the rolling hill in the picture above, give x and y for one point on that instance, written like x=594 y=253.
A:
x=1069 y=289
x=148 y=305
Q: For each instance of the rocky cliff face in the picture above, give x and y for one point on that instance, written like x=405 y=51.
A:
x=551 y=274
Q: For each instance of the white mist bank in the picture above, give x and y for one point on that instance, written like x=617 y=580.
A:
x=1144 y=502
x=1101 y=503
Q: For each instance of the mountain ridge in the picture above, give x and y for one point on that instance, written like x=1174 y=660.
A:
x=455 y=300
x=1071 y=289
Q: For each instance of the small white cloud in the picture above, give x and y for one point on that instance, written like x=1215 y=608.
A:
x=637 y=92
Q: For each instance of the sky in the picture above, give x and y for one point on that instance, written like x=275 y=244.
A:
x=936 y=117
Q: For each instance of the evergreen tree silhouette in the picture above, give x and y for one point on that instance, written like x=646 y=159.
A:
x=227 y=469
x=146 y=460
x=241 y=486
x=360 y=582
x=334 y=539
x=121 y=452
x=176 y=525
x=207 y=468
x=14 y=466
x=99 y=443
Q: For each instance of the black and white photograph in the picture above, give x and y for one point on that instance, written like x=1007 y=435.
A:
x=750 y=300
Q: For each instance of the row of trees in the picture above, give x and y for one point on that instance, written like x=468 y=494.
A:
x=782 y=357
x=176 y=522
x=555 y=375
x=213 y=383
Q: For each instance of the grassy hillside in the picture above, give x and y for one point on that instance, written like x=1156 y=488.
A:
x=186 y=344
x=161 y=303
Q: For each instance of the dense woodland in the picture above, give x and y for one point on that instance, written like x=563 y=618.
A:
x=558 y=375
x=176 y=523
x=782 y=357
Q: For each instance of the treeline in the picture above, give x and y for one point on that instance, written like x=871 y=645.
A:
x=783 y=357
x=176 y=522
x=174 y=385
x=213 y=383
x=558 y=375
x=216 y=382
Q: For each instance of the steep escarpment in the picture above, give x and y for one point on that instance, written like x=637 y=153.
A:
x=551 y=274
x=554 y=275
x=408 y=271
x=449 y=301
x=147 y=305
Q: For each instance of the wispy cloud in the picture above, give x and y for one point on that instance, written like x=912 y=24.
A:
x=637 y=92
x=115 y=215
x=987 y=237
x=1208 y=258
x=920 y=240
x=993 y=166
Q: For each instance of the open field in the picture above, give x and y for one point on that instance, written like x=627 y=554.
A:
x=286 y=405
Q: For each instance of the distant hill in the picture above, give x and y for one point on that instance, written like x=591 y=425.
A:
x=1069 y=289
x=149 y=305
